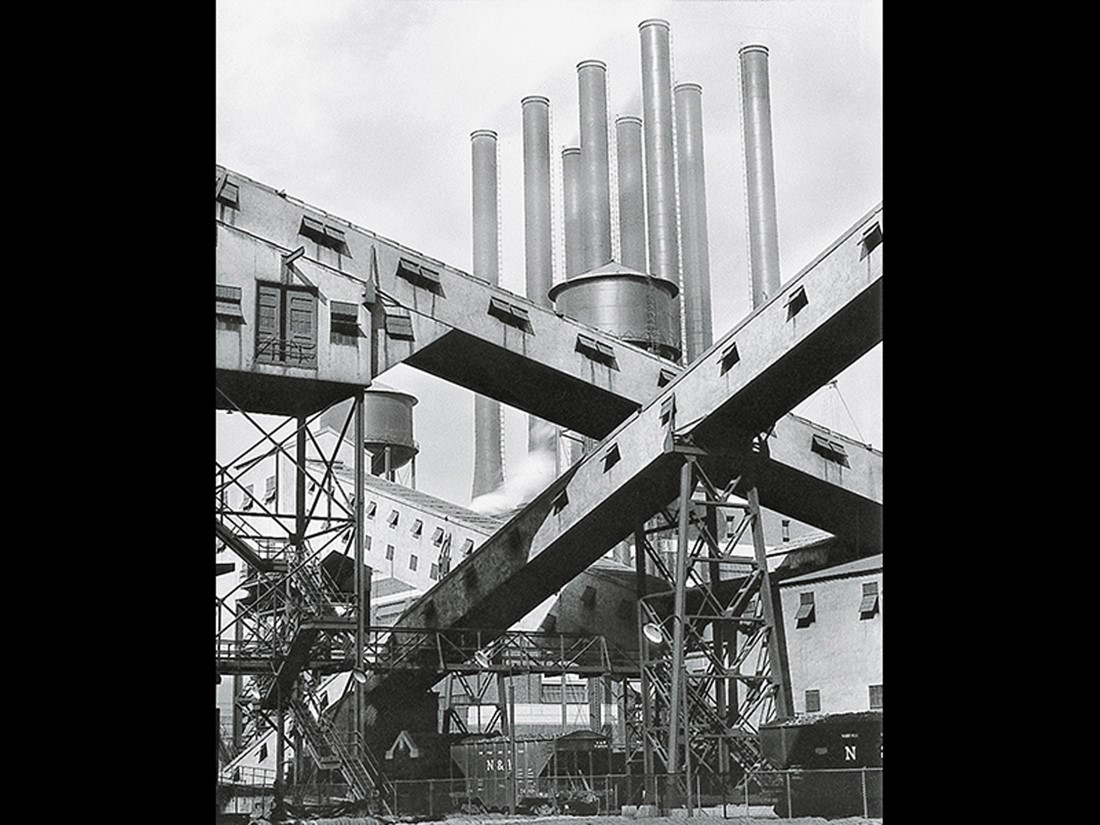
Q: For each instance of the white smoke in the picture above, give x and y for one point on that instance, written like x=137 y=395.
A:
x=529 y=479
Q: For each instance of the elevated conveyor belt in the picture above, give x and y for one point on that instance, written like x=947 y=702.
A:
x=822 y=321
x=494 y=342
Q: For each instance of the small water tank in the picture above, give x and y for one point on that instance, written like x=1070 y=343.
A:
x=388 y=425
x=634 y=306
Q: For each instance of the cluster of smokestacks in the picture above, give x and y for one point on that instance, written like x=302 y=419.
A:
x=662 y=228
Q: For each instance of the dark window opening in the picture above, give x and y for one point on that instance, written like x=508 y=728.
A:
x=227 y=301
x=831 y=450
x=400 y=327
x=324 y=234
x=417 y=528
x=372 y=507
x=868 y=607
x=413 y=560
x=611 y=457
x=394 y=518
x=813 y=701
x=511 y=314
x=437 y=536
x=248 y=501
x=730 y=356
x=596 y=350
x=389 y=552
x=420 y=275
x=560 y=502
x=796 y=302
x=269 y=490
x=872 y=237
x=434 y=571
x=588 y=598
x=805 y=614
x=875 y=696
x=228 y=193
x=286 y=325
x=668 y=411
x=344 y=322
x=467 y=547
x=664 y=377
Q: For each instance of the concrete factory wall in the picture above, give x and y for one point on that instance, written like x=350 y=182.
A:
x=838 y=650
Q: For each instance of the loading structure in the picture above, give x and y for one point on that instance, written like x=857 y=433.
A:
x=407 y=307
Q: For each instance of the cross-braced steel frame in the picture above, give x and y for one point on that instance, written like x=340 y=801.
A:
x=293 y=619
x=713 y=662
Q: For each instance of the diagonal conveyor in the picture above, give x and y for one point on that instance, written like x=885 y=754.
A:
x=822 y=321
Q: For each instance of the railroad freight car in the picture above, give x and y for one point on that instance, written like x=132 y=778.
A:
x=834 y=763
x=544 y=780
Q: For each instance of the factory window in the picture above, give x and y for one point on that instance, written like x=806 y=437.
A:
x=269 y=490
x=467 y=547
x=554 y=690
x=413 y=560
x=730 y=356
x=227 y=193
x=869 y=606
x=437 y=536
x=805 y=615
x=875 y=696
x=344 y=319
x=419 y=275
x=227 y=305
x=247 y=502
x=871 y=237
x=813 y=701
x=366 y=544
x=394 y=517
x=389 y=552
x=417 y=528
x=324 y=234
x=796 y=302
x=263 y=752
x=434 y=571
x=372 y=507
x=511 y=314
x=400 y=327
x=596 y=350
x=831 y=450
x=286 y=325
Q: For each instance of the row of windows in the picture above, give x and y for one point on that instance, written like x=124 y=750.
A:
x=874 y=699
x=868 y=606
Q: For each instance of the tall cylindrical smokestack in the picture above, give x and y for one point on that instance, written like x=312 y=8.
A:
x=595 y=186
x=660 y=160
x=488 y=460
x=571 y=195
x=698 y=330
x=536 y=198
x=541 y=436
x=760 y=174
x=628 y=135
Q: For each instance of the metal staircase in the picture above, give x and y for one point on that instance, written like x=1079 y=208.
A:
x=329 y=751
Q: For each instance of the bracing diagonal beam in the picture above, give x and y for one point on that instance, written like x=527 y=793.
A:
x=822 y=321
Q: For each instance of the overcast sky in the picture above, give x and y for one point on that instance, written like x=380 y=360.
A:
x=364 y=108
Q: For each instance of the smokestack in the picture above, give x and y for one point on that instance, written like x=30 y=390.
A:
x=628 y=135
x=488 y=458
x=698 y=331
x=571 y=192
x=536 y=198
x=537 y=235
x=595 y=187
x=760 y=173
x=660 y=171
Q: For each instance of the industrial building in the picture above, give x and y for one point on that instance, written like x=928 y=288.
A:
x=694 y=564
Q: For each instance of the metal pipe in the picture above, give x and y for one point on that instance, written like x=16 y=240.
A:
x=660 y=160
x=694 y=250
x=357 y=579
x=571 y=192
x=595 y=169
x=632 y=249
x=488 y=461
x=760 y=174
